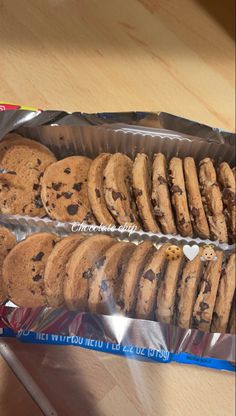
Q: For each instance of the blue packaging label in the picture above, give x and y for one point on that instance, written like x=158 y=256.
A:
x=129 y=351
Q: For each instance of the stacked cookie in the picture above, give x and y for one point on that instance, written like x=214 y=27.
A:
x=103 y=275
x=154 y=195
x=24 y=162
x=7 y=242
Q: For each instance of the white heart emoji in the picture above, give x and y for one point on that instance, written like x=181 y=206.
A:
x=190 y=251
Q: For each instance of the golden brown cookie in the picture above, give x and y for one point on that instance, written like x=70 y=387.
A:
x=224 y=297
x=26 y=161
x=187 y=291
x=150 y=120
x=65 y=191
x=234 y=172
x=132 y=274
x=179 y=197
x=173 y=252
x=148 y=284
x=7 y=242
x=161 y=196
x=227 y=180
x=167 y=291
x=141 y=176
x=107 y=279
x=212 y=200
x=196 y=209
x=80 y=268
x=232 y=319
x=118 y=190
x=205 y=302
x=55 y=271
x=23 y=270
x=96 y=189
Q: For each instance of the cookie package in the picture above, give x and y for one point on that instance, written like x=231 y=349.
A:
x=117 y=234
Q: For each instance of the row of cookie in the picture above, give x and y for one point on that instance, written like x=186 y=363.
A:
x=103 y=275
x=112 y=189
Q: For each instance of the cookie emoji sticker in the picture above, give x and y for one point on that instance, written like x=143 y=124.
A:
x=208 y=253
x=173 y=252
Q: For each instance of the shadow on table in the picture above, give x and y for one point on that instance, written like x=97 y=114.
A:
x=223 y=12
x=80 y=382
x=14 y=399
x=102 y=26
x=59 y=375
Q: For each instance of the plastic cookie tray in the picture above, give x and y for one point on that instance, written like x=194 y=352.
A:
x=90 y=135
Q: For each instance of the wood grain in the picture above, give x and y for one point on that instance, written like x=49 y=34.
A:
x=98 y=55
x=21 y=401
x=83 y=382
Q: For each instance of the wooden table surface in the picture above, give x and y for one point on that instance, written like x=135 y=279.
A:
x=100 y=55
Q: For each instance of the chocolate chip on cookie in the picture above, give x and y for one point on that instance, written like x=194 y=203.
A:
x=64 y=190
x=197 y=212
x=20 y=192
x=81 y=268
x=128 y=294
x=212 y=200
x=118 y=190
x=204 y=304
x=55 y=271
x=7 y=242
x=225 y=296
x=227 y=180
x=161 y=196
x=106 y=283
x=173 y=252
x=141 y=177
x=179 y=197
x=167 y=289
x=148 y=284
x=23 y=270
x=96 y=189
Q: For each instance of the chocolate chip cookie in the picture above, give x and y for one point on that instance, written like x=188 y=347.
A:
x=227 y=181
x=118 y=190
x=107 y=278
x=23 y=270
x=141 y=176
x=80 y=269
x=65 y=191
x=234 y=172
x=20 y=188
x=167 y=291
x=205 y=302
x=7 y=242
x=161 y=196
x=212 y=200
x=232 y=320
x=148 y=284
x=197 y=213
x=173 y=252
x=96 y=189
x=132 y=274
x=179 y=197
x=187 y=291
x=224 y=297
x=55 y=271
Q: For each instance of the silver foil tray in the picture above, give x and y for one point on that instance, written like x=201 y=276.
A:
x=90 y=141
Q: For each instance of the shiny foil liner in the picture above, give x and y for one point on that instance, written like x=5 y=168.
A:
x=119 y=330
x=90 y=134
x=90 y=141
x=11 y=120
x=152 y=340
